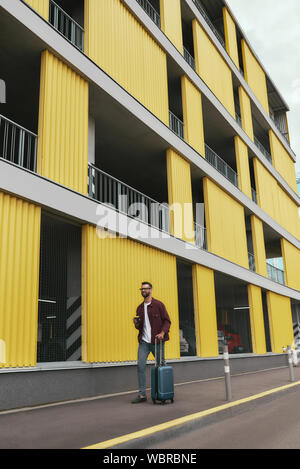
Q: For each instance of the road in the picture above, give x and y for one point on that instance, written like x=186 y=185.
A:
x=272 y=425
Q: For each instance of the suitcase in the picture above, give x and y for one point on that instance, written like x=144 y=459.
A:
x=162 y=380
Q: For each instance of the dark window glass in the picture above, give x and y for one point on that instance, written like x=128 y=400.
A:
x=59 y=319
x=186 y=309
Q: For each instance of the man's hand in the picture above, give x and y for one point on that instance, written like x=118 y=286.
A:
x=160 y=336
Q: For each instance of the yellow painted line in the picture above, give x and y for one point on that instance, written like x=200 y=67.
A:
x=182 y=420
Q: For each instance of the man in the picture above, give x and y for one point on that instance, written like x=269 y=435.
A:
x=152 y=321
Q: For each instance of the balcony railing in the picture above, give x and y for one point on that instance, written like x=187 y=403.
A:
x=150 y=10
x=17 y=145
x=217 y=162
x=68 y=27
x=238 y=119
x=200 y=236
x=209 y=22
x=176 y=125
x=109 y=190
x=189 y=58
x=280 y=129
x=254 y=195
x=251 y=262
x=262 y=149
x=275 y=274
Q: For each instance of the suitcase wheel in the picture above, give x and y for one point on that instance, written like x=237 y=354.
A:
x=163 y=402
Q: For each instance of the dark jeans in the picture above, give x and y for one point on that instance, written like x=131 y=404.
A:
x=143 y=353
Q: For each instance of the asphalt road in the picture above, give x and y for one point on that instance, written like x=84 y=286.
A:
x=272 y=425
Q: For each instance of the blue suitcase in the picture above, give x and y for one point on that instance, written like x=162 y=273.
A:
x=162 y=380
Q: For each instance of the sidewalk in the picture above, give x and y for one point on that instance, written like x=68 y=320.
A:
x=85 y=423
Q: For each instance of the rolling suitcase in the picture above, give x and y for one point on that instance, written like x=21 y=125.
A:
x=162 y=380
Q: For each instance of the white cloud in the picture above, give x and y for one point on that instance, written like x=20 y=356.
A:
x=272 y=28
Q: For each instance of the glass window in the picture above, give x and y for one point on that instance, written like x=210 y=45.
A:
x=59 y=317
x=186 y=309
x=233 y=314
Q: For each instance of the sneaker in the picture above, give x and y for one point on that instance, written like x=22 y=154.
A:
x=139 y=399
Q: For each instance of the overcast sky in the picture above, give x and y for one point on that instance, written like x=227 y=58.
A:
x=273 y=29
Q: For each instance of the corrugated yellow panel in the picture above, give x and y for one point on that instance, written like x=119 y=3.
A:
x=171 y=22
x=257 y=320
x=205 y=312
x=289 y=213
x=282 y=161
x=231 y=37
x=225 y=224
x=180 y=196
x=275 y=201
x=246 y=112
x=212 y=68
x=19 y=280
x=291 y=258
x=255 y=76
x=243 y=170
x=259 y=246
x=112 y=272
x=118 y=43
x=192 y=115
x=41 y=7
x=63 y=124
x=280 y=321
x=267 y=190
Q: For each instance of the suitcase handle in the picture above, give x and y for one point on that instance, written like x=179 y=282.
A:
x=160 y=354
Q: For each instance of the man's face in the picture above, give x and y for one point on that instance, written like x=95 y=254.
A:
x=146 y=290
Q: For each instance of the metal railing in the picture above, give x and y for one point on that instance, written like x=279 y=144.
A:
x=262 y=149
x=280 y=129
x=17 y=144
x=150 y=10
x=217 y=162
x=254 y=195
x=189 y=58
x=238 y=119
x=200 y=236
x=176 y=125
x=66 y=25
x=209 y=22
x=251 y=262
x=109 y=190
x=275 y=274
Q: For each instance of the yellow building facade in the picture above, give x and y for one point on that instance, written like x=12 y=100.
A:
x=127 y=135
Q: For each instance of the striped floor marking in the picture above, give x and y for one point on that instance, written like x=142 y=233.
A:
x=182 y=420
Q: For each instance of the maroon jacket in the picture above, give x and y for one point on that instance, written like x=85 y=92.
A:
x=158 y=318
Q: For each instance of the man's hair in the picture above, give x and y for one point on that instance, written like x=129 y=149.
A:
x=147 y=283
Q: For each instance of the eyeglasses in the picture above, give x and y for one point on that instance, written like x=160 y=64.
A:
x=141 y=289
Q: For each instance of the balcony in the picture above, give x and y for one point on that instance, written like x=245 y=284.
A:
x=217 y=162
x=66 y=25
x=209 y=22
x=238 y=119
x=279 y=127
x=251 y=262
x=150 y=10
x=262 y=149
x=189 y=58
x=176 y=125
x=254 y=195
x=200 y=236
x=275 y=274
x=17 y=144
x=109 y=190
